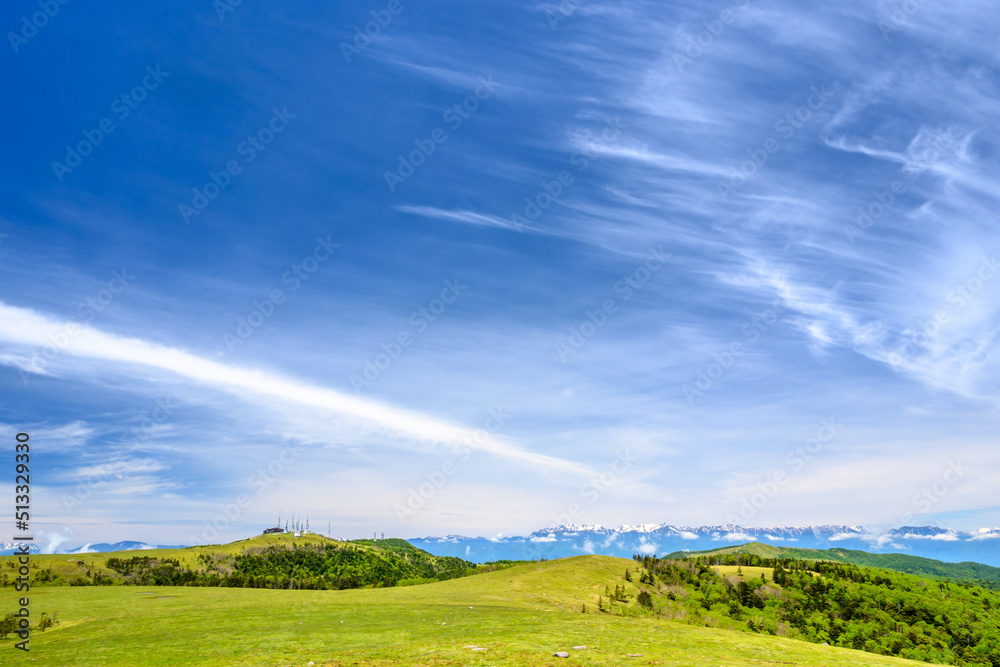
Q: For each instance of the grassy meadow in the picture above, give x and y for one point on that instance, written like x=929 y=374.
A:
x=518 y=616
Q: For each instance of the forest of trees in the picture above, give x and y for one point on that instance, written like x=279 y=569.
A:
x=329 y=566
x=878 y=611
x=333 y=565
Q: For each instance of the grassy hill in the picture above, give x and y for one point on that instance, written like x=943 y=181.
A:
x=516 y=616
x=877 y=610
x=263 y=561
x=977 y=573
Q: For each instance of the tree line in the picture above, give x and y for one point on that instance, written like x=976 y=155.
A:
x=879 y=611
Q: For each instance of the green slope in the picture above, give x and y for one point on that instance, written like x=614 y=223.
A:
x=874 y=609
x=520 y=616
x=263 y=561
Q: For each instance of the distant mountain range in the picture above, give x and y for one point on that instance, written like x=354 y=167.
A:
x=945 y=544
x=982 y=546
x=9 y=548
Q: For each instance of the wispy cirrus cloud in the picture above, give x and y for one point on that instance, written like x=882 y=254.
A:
x=23 y=326
x=467 y=217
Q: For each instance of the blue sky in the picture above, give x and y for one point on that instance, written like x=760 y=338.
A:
x=651 y=245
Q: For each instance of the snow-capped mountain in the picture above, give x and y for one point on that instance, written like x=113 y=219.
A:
x=127 y=545
x=945 y=544
x=570 y=540
x=12 y=548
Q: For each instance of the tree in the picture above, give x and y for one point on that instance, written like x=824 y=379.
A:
x=7 y=625
x=45 y=622
x=645 y=600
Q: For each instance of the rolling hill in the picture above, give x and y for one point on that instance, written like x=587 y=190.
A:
x=517 y=616
x=977 y=573
x=263 y=561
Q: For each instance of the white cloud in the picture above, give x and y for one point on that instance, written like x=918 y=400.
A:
x=939 y=537
x=734 y=537
x=986 y=534
x=468 y=217
x=839 y=537
x=26 y=327
x=52 y=539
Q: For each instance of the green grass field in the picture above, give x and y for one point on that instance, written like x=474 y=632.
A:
x=520 y=616
x=747 y=572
